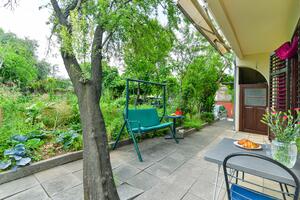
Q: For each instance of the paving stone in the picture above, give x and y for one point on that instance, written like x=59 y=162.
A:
x=190 y=196
x=51 y=173
x=118 y=182
x=75 y=193
x=189 y=170
x=163 y=191
x=61 y=183
x=125 y=172
x=159 y=170
x=13 y=187
x=147 y=162
x=35 y=193
x=79 y=175
x=143 y=181
x=74 y=166
x=205 y=190
x=127 y=192
x=181 y=180
x=210 y=176
x=171 y=163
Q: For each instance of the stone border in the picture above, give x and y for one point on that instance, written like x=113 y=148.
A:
x=11 y=175
x=39 y=166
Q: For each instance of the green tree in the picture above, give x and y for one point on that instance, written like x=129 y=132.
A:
x=147 y=49
x=43 y=69
x=19 y=62
x=92 y=31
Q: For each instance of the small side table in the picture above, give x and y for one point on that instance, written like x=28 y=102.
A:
x=174 y=117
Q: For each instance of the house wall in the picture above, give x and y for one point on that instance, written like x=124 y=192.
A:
x=258 y=62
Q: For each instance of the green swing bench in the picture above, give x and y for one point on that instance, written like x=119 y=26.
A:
x=141 y=121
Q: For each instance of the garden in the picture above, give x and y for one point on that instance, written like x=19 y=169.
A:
x=39 y=113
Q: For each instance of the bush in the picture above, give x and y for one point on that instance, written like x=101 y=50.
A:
x=207 y=117
x=56 y=115
x=195 y=122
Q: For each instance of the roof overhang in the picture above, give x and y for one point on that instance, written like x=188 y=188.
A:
x=250 y=27
x=202 y=22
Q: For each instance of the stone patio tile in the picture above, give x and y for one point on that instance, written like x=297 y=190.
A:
x=74 y=166
x=51 y=173
x=171 y=163
x=61 y=183
x=127 y=192
x=189 y=170
x=159 y=170
x=75 y=193
x=79 y=175
x=159 y=151
x=190 y=196
x=163 y=191
x=204 y=190
x=147 y=162
x=181 y=180
x=143 y=181
x=209 y=175
x=13 y=187
x=35 y=193
x=125 y=172
x=118 y=182
x=200 y=162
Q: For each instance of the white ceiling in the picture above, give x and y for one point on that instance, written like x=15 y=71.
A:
x=256 y=26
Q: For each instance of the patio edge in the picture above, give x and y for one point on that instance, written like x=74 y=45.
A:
x=11 y=175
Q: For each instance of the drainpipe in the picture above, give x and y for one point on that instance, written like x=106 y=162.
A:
x=234 y=95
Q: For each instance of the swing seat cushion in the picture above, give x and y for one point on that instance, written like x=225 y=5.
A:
x=145 y=120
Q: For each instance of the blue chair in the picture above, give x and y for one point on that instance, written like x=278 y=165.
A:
x=238 y=192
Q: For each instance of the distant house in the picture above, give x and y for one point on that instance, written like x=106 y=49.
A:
x=224 y=98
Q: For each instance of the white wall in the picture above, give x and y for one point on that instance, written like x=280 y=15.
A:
x=258 y=62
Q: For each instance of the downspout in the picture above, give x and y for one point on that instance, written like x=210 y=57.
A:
x=234 y=95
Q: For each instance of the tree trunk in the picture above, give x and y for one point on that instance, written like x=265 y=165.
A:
x=97 y=173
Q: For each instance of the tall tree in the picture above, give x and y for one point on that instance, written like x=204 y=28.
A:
x=90 y=32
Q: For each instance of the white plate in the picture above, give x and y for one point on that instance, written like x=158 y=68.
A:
x=238 y=145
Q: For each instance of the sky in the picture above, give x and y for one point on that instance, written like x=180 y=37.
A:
x=27 y=20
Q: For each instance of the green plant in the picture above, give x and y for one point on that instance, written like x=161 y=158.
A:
x=15 y=157
x=193 y=123
x=283 y=125
x=70 y=140
x=207 y=117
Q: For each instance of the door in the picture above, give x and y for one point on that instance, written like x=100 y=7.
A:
x=253 y=103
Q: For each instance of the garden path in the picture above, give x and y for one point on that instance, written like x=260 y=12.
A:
x=170 y=171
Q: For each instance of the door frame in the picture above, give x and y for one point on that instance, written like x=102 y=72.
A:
x=241 y=98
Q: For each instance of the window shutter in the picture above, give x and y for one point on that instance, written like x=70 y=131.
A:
x=279 y=87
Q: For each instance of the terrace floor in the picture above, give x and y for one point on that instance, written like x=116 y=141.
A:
x=170 y=171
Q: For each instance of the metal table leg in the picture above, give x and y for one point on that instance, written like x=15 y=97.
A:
x=215 y=196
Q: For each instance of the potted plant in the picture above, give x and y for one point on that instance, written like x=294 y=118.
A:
x=285 y=126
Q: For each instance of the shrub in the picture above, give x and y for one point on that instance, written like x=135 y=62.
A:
x=207 y=117
x=195 y=122
x=56 y=115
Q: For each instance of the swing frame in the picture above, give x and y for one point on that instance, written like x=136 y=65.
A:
x=153 y=113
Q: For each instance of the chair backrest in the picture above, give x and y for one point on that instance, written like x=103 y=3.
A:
x=258 y=156
x=146 y=117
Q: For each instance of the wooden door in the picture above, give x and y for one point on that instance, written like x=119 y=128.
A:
x=253 y=103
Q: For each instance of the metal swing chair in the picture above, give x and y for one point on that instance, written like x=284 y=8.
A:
x=141 y=121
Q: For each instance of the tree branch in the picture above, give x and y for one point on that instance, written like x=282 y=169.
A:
x=70 y=61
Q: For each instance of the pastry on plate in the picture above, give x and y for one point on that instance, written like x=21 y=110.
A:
x=248 y=144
